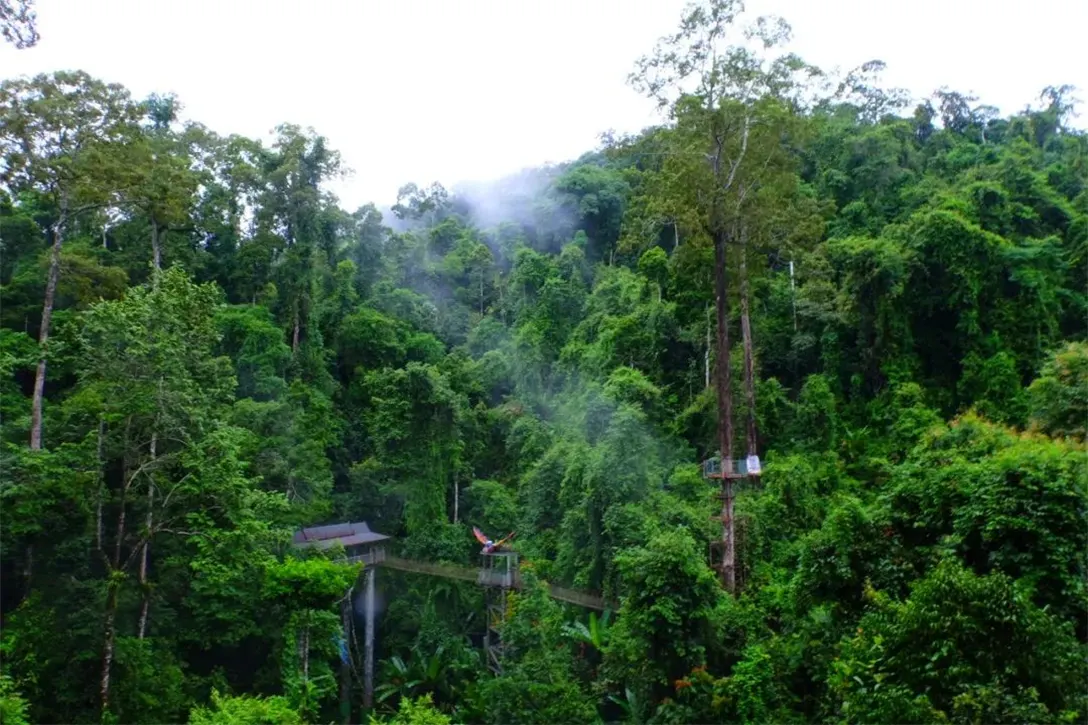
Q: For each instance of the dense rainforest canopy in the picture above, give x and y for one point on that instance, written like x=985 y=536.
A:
x=203 y=352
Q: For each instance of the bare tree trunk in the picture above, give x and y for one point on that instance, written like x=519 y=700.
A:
x=294 y=334
x=120 y=534
x=725 y=373
x=456 y=501
x=793 y=297
x=107 y=652
x=725 y=411
x=146 y=602
x=306 y=653
x=101 y=485
x=706 y=353
x=729 y=552
x=746 y=337
x=28 y=569
x=43 y=334
x=156 y=250
x=111 y=604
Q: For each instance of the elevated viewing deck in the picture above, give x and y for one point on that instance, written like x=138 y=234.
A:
x=738 y=468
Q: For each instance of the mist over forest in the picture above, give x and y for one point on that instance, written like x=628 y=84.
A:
x=784 y=402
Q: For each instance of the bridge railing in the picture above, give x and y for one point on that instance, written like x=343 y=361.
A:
x=732 y=468
x=580 y=598
x=448 y=571
x=495 y=577
x=498 y=578
x=370 y=558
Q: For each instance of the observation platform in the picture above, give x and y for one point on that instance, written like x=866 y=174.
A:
x=737 y=468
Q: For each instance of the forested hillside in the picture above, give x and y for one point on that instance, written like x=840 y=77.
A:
x=203 y=352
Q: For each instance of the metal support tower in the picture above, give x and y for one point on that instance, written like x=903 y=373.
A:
x=498 y=575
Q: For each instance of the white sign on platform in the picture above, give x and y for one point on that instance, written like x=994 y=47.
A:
x=753 y=465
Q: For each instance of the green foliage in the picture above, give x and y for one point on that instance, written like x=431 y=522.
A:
x=255 y=344
x=973 y=645
x=13 y=708
x=244 y=710
x=414 y=419
x=232 y=356
x=491 y=506
x=308 y=583
x=417 y=711
x=1000 y=501
x=663 y=626
x=1059 y=396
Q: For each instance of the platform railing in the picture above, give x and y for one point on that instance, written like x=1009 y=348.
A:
x=370 y=558
x=734 y=468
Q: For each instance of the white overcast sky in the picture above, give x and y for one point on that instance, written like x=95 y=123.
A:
x=453 y=90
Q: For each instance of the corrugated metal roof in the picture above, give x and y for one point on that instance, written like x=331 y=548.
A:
x=350 y=534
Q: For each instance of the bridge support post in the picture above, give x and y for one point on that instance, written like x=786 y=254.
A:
x=498 y=575
x=346 y=617
x=496 y=617
x=368 y=660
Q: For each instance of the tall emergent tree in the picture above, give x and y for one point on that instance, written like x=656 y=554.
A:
x=59 y=137
x=725 y=96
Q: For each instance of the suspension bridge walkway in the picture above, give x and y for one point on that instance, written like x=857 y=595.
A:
x=363 y=546
x=487 y=577
x=498 y=574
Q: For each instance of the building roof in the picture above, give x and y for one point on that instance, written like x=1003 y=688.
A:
x=350 y=534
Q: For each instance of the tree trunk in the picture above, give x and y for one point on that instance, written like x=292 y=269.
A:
x=294 y=333
x=746 y=338
x=725 y=412
x=120 y=534
x=107 y=652
x=706 y=353
x=101 y=484
x=156 y=251
x=43 y=334
x=28 y=569
x=146 y=601
x=729 y=552
x=725 y=373
x=111 y=606
x=306 y=653
x=456 y=502
x=793 y=297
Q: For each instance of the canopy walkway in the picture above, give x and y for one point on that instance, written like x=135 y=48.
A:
x=446 y=571
x=364 y=546
x=498 y=574
x=478 y=575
